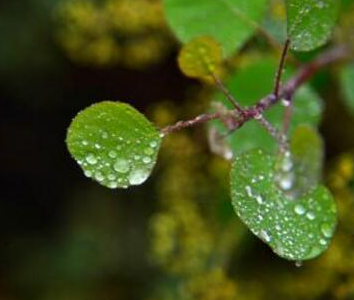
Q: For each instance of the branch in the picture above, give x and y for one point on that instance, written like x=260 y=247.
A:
x=280 y=68
x=286 y=91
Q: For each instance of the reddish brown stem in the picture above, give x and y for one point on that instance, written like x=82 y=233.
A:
x=286 y=91
x=280 y=68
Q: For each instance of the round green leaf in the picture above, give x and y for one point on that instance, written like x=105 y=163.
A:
x=199 y=57
x=295 y=229
x=347 y=80
x=114 y=144
x=229 y=22
x=310 y=22
x=251 y=83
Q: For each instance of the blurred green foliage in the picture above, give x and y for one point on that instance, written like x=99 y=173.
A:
x=177 y=236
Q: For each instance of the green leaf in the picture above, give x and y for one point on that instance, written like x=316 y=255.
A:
x=306 y=149
x=310 y=23
x=229 y=22
x=199 y=57
x=114 y=144
x=297 y=229
x=347 y=82
x=249 y=84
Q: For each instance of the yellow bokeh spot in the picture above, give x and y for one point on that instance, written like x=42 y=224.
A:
x=200 y=57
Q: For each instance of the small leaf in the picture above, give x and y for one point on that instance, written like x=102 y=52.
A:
x=114 y=144
x=297 y=229
x=306 y=148
x=200 y=57
x=347 y=82
x=229 y=22
x=310 y=23
x=249 y=84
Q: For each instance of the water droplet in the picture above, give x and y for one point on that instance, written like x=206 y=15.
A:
x=259 y=199
x=88 y=173
x=298 y=263
x=112 y=154
x=248 y=191
x=121 y=165
x=97 y=146
x=323 y=242
x=85 y=143
x=258 y=116
x=153 y=144
x=148 y=151
x=147 y=160
x=111 y=177
x=265 y=236
x=104 y=135
x=91 y=159
x=112 y=185
x=285 y=102
x=286 y=182
x=138 y=176
x=99 y=176
x=136 y=157
x=310 y=215
x=299 y=209
x=326 y=230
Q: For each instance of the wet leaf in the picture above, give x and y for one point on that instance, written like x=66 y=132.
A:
x=310 y=23
x=199 y=57
x=114 y=144
x=229 y=22
x=295 y=229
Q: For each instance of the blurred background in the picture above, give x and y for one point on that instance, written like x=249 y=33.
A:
x=64 y=237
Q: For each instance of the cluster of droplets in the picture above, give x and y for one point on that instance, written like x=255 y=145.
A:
x=294 y=229
x=285 y=175
x=317 y=30
x=117 y=167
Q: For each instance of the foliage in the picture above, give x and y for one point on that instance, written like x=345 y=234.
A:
x=228 y=22
x=275 y=184
x=114 y=144
x=310 y=23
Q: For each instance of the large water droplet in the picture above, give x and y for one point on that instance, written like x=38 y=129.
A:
x=265 y=236
x=91 y=159
x=286 y=182
x=147 y=160
x=121 y=165
x=99 y=176
x=138 y=176
x=299 y=209
x=112 y=185
x=88 y=173
x=326 y=230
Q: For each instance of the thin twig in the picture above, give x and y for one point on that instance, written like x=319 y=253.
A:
x=286 y=91
x=184 y=124
x=280 y=68
x=220 y=85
